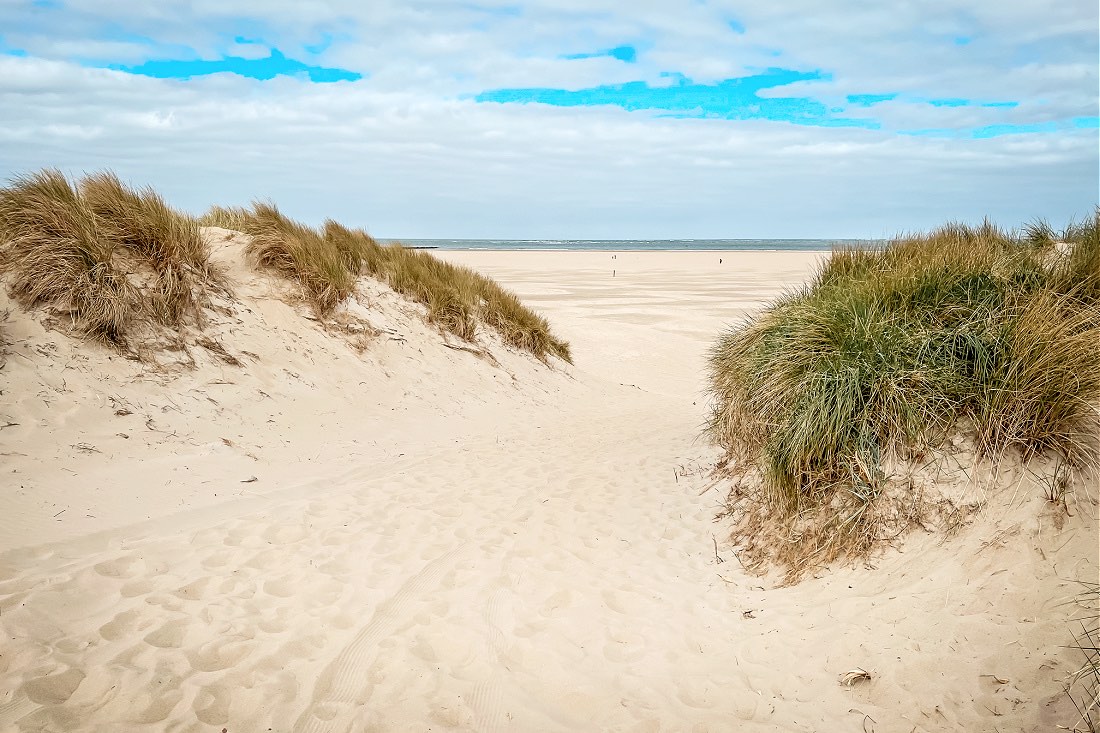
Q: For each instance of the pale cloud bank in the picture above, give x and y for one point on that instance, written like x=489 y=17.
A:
x=567 y=118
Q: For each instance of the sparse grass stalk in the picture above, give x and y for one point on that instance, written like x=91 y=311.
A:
x=891 y=349
x=1083 y=685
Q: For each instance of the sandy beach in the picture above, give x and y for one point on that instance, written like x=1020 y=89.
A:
x=413 y=536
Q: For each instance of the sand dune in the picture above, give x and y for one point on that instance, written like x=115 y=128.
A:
x=436 y=542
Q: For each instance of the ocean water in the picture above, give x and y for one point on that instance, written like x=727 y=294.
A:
x=598 y=245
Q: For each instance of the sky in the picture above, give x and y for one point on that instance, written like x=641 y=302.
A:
x=542 y=119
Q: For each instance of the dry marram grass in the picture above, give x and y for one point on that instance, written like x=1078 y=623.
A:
x=115 y=258
x=888 y=352
x=327 y=263
x=110 y=256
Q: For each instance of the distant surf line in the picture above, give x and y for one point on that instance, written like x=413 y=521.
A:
x=654 y=245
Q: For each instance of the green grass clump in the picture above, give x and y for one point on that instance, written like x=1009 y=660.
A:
x=894 y=348
x=327 y=263
x=109 y=255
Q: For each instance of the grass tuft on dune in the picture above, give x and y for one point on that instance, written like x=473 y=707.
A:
x=146 y=226
x=887 y=352
x=108 y=254
x=114 y=258
x=327 y=263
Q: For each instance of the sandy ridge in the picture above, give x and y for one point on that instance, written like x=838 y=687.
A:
x=543 y=557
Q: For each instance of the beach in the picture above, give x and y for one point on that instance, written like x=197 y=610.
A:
x=417 y=535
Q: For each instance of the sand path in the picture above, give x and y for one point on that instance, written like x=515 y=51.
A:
x=558 y=569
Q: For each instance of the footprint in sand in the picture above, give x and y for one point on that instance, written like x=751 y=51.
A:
x=138 y=587
x=169 y=635
x=237 y=587
x=283 y=587
x=697 y=693
x=531 y=628
x=276 y=623
x=153 y=708
x=211 y=705
x=556 y=604
x=337 y=568
x=123 y=568
x=624 y=646
x=452 y=712
x=214 y=656
x=219 y=559
x=623 y=601
x=167 y=601
x=266 y=559
x=53 y=689
x=285 y=534
x=195 y=590
x=340 y=536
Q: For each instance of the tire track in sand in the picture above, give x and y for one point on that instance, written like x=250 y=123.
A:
x=344 y=687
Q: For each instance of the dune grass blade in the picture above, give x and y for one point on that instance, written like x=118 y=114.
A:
x=890 y=349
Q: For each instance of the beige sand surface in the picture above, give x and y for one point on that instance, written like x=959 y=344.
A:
x=435 y=542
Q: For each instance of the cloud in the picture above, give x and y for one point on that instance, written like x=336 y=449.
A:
x=693 y=138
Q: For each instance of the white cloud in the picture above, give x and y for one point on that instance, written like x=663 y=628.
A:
x=405 y=152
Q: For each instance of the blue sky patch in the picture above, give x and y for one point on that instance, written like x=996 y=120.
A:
x=866 y=100
x=960 y=102
x=626 y=54
x=731 y=99
x=736 y=26
x=264 y=69
x=988 y=131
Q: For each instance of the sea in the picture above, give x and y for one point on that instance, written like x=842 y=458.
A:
x=662 y=245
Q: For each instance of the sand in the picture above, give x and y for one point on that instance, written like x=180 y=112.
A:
x=419 y=538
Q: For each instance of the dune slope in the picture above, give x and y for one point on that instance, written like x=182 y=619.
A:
x=437 y=541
